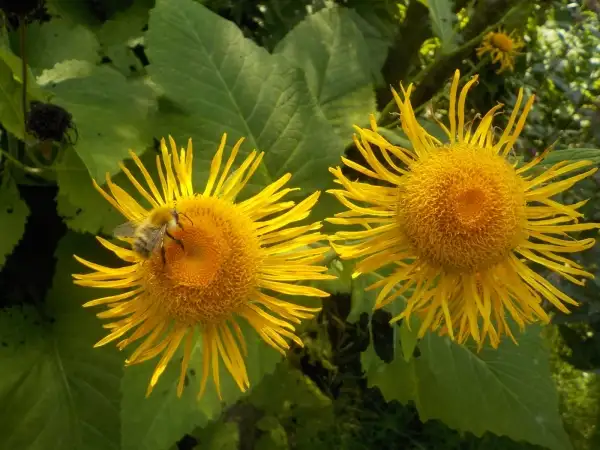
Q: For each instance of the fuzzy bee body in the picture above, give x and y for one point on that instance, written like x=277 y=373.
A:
x=149 y=233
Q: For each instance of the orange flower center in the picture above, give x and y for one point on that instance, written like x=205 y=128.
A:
x=214 y=271
x=502 y=42
x=462 y=208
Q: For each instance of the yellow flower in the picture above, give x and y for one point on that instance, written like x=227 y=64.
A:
x=228 y=260
x=502 y=48
x=459 y=223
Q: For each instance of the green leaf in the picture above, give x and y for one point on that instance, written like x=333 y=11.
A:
x=363 y=301
x=396 y=380
x=274 y=436
x=65 y=70
x=222 y=82
x=56 y=391
x=13 y=217
x=11 y=104
x=288 y=386
x=59 y=40
x=82 y=208
x=396 y=137
x=157 y=421
x=221 y=436
x=332 y=51
x=110 y=114
x=508 y=391
x=572 y=154
x=408 y=337
x=442 y=21
x=125 y=24
x=15 y=64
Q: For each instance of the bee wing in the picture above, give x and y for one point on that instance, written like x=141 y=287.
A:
x=126 y=230
x=155 y=237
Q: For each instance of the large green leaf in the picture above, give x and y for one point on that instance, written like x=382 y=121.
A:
x=59 y=40
x=221 y=82
x=508 y=391
x=13 y=216
x=56 y=391
x=154 y=423
x=82 y=207
x=110 y=114
x=442 y=21
x=338 y=64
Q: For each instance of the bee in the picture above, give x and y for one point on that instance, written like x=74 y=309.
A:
x=149 y=233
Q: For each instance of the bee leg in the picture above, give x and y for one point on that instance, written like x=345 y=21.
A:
x=163 y=254
x=175 y=239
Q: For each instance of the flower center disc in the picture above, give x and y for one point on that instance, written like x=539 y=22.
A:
x=502 y=42
x=462 y=208
x=216 y=270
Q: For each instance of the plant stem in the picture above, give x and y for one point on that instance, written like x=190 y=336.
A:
x=23 y=76
x=16 y=162
x=384 y=116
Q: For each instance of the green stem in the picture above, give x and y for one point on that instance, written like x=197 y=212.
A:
x=19 y=164
x=23 y=76
x=392 y=107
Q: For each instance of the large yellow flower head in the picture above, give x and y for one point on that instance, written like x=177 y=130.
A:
x=223 y=261
x=502 y=47
x=459 y=223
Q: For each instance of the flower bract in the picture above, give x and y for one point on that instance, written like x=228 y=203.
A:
x=459 y=225
x=224 y=261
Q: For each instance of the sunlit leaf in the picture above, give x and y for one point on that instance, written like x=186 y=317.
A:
x=13 y=217
x=110 y=114
x=221 y=82
x=56 y=390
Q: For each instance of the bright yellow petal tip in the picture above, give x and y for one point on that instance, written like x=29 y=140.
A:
x=502 y=48
x=225 y=261
x=461 y=223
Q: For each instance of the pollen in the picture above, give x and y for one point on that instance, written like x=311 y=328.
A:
x=214 y=270
x=462 y=208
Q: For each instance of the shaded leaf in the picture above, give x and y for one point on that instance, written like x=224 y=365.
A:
x=110 y=114
x=82 y=208
x=13 y=217
x=572 y=154
x=157 y=421
x=508 y=391
x=59 y=40
x=442 y=21
x=16 y=66
x=56 y=390
x=11 y=105
x=363 y=300
x=228 y=84
x=125 y=24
